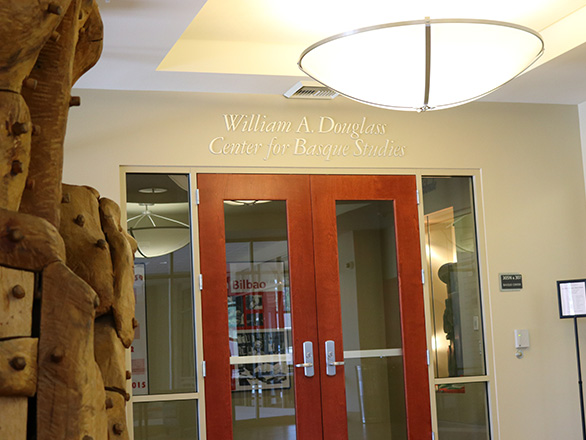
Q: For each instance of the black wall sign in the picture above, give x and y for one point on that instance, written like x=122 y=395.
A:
x=510 y=281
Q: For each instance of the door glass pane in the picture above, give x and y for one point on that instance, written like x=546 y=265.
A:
x=163 y=351
x=452 y=258
x=462 y=411
x=259 y=316
x=371 y=321
x=175 y=420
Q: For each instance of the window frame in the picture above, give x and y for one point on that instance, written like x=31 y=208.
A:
x=199 y=395
x=489 y=377
x=477 y=195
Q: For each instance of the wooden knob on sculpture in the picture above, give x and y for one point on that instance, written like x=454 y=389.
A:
x=79 y=220
x=54 y=8
x=18 y=363
x=18 y=292
x=118 y=428
x=57 y=355
x=16 y=168
x=30 y=83
x=15 y=235
x=19 y=128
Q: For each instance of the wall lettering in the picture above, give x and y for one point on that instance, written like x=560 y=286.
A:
x=246 y=135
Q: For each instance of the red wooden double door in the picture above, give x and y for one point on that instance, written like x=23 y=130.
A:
x=312 y=307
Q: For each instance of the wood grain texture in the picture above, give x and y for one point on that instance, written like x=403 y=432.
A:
x=46 y=46
x=18 y=367
x=13 y=417
x=87 y=256
x=70 y=395
x=16 y=302
x=28 y=242
x=123 y=266
x=117 y=429
x=29 y=24
x=15 y=148
x=49 y=108
x=90 y=41
x=110 y=353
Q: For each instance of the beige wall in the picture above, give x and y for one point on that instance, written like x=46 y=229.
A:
x=582 y=113
x=533 y=196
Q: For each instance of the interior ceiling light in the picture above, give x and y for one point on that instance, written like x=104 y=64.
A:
x=157 y=235
x=423 y=64
x=245 y=202
x=152 y=190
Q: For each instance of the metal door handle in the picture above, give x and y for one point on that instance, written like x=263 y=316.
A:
x=308 y=358
x=336 y=363
x=304 y=365
x=331 y=362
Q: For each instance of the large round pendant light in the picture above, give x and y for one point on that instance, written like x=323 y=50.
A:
x=158 y=235
x=424 y=64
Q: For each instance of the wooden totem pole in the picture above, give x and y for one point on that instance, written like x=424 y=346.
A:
x=66 y=264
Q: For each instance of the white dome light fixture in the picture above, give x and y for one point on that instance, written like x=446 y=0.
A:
x=157 y=235
x=423 y=64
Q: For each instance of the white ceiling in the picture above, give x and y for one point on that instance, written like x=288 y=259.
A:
x=252 y=46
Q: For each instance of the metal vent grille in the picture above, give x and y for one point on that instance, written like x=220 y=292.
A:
x=305 y=90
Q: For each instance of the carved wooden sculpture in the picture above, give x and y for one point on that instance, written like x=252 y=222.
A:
x=123 y=247
x=87 y=252
x=64 y=258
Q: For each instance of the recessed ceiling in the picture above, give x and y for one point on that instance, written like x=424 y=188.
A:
x=232 y=46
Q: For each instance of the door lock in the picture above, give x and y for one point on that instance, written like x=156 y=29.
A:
x=308 y=358
x=331 y=362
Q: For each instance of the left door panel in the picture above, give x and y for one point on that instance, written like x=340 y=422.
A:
x=258 y=305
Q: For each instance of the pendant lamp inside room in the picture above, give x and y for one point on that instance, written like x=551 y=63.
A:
x=424 y=64
x=158 y=235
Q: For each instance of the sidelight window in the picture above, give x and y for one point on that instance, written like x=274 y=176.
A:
x=163 y=355
x=457 y=340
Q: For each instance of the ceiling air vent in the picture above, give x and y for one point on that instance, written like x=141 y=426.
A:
x=309 y=90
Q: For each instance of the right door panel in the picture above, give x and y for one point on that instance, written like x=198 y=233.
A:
x=370 y=308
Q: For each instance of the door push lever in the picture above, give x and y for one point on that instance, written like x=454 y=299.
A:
x=308 y=358
x=331 y=362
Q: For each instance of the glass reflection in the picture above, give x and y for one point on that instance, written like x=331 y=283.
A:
x=163 y=351
x=259 y=316
x=371 y=320
x=452 y=258
x=175 y=420
x=168 y=301
x=462 y=411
